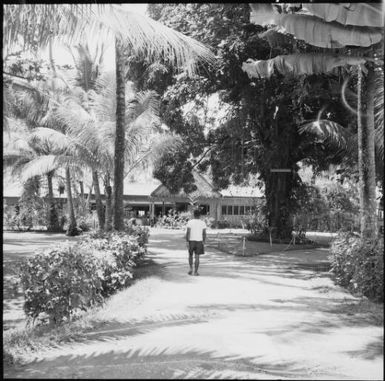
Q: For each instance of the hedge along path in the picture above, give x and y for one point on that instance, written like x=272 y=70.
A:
x=243 y=317
x=19 y=246
x=68 y=276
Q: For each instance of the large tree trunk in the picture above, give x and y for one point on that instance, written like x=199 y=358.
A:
x=366 y=158
x=72 y=229
x=279 y=186
x=98 y=200
x=108 y=193
x=278 y=191
x=53 y=223
x=119 y=139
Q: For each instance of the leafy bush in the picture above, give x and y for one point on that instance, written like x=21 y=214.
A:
x=141 y=232
x=209 y=221
x=118 y=253
x=174 y=220
x=221 y=224
x=67 y=279
x=359 y=265
x=59 y=282
x=85 y=223
x=331 y=208
x=256 y=222
x=26 y=217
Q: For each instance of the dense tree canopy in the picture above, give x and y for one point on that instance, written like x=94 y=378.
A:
x=261 y=131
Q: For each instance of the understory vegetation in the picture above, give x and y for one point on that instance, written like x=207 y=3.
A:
x=65 y=280
x=358 y=265
x=178 y=220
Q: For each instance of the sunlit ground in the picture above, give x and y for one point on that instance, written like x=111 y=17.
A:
x=243 y=317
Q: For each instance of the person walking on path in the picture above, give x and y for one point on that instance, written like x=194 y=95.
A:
x=195 y=239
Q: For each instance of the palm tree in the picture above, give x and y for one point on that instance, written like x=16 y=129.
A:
x=333 y=26
x=89 y=68
x=29 y=158
x=30 y=105
x=139 y=34
x=94 y=130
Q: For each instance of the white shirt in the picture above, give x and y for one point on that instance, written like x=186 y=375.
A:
x=196 y=229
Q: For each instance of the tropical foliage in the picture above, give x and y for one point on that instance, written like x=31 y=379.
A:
x=66 y=279
x=133 y=34
x=260 y=130
x=80 y=130
x=358 y=31
x=359 y=265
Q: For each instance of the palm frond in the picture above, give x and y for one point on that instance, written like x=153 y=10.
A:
x=327 y=130
x=154 y=40
x=56 y=140
x=148 y=101
x=39 y=166
x=27 y=23
x=156 y=146
x=11 y=158
x=72 y=23
x=332 y=134
x=88 y=66
x=22 y=145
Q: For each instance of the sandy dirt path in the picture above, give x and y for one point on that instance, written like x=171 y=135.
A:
x=243 y=318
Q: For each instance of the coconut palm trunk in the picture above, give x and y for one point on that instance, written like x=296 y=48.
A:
x=98 y=199
x=53 y=221
x=108 y=193
x=119 y=138
x=72 y=230
x=366 y=158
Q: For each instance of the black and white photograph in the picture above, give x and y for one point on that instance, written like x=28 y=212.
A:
x=193 y=191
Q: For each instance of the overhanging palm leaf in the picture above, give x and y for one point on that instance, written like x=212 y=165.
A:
x=327 y=130
x=38 y=167
x=72 y=23
x=156 y=146
x=88 y=66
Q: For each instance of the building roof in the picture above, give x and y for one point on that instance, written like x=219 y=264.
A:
x=242 y=191
x=140 y=189
x=154 y=188
x=204 y=190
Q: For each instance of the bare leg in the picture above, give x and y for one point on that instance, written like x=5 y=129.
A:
x=196 y=263
x=190 y=262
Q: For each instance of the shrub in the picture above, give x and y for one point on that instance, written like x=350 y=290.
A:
x=209 y=221
x=359 y=265
x=67 y=279
x=60 y=282
x=141 y=232
x=118 y=253
x=174 y=220
x=85 y=223
x=221 y=224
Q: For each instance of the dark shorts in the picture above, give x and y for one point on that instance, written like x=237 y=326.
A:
x=196 y=247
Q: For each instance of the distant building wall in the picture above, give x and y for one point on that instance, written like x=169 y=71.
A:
x=236 y=209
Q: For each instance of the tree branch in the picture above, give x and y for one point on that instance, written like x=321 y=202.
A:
x=204 y=154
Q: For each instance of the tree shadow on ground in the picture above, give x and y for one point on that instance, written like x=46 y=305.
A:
x=160 y=363
x=371 y=351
